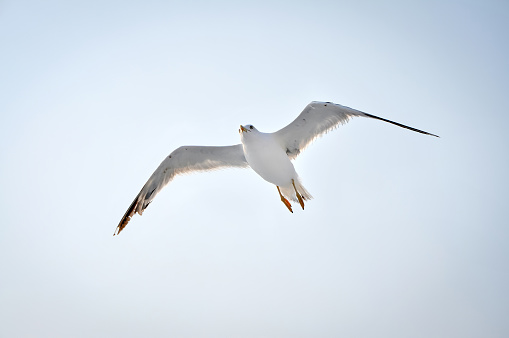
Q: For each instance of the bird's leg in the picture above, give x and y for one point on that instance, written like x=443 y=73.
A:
x=284 y=200
x=299 y=197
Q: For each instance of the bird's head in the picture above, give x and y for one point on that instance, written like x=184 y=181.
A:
x=248 y=128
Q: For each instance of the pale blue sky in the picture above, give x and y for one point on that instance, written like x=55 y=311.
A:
x=407 y=234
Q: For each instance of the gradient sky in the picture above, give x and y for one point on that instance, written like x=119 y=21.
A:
x=406 y=236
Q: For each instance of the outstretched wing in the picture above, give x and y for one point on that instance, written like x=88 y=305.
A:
x=183 y=160
x=319 y=118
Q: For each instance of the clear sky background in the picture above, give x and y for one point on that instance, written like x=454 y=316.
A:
x=406 y=237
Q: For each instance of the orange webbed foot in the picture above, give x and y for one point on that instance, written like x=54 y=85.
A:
x=299 y=197
x=285 y=201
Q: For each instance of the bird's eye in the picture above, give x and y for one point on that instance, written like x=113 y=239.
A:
x=251 y=127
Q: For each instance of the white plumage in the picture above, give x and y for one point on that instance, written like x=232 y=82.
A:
x=268 y=154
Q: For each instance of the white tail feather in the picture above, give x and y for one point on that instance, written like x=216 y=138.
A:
x=289 y=192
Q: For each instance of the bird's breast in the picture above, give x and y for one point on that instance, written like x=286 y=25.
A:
x=269 y=160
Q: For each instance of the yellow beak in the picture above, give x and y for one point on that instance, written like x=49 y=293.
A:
x=243 y=129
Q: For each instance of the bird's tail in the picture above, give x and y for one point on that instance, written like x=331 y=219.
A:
x=289 y=192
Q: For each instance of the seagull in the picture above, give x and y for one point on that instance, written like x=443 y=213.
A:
x=268 y=154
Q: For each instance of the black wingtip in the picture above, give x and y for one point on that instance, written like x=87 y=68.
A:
x=127 y=216
x=400 y=125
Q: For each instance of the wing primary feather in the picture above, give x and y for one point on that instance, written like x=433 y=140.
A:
x=399 y=124
x=127 y=216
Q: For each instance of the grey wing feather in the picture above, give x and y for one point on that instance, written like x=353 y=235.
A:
x=319 y=118
x=183 y=160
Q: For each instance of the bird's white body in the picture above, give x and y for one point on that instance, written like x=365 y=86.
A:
x=268 y=158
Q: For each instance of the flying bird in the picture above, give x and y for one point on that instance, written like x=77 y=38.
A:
x=268 y=154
